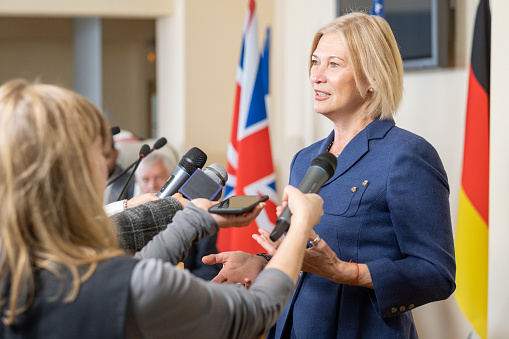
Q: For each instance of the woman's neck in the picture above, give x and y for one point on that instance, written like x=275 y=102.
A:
x=345 y=131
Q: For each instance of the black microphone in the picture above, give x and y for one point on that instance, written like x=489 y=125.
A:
x=194 y=158
x=144 y=150
x=321 y=169
x=157 y=145
x=207 y=184
x=115 y=130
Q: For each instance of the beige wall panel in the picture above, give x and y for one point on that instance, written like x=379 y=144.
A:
x=108 y=8
x=213 y=43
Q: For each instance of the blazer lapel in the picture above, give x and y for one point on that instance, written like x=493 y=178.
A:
x=359 y=145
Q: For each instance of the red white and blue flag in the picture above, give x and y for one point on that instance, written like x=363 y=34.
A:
x=378 y=8
x=250 y=168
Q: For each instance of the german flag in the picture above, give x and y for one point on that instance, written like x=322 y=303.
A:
x=473 y=215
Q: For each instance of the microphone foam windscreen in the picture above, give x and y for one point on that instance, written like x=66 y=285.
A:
x=327 y=161
x=115 y=130
x=144 y=150
x=160 y=143
x=217 y=173
x=194 y=158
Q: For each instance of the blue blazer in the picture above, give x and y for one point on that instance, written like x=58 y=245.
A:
x=387 y=206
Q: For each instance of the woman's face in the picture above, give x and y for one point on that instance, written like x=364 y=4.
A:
x=332 y=78
x=98 y=166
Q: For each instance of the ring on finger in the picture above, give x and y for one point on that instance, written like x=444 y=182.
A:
x=316 y=241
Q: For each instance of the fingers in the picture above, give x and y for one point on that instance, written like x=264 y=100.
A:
x=264 y=240
x=180 y=198
x=141 y=199
x=265 y=244
x=203 y=203
x=212 y=259
x=312 y=235
x=231 y=220
x=219 y=278
x=247 y=283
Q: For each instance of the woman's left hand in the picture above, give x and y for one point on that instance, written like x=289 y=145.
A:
x=320 y=259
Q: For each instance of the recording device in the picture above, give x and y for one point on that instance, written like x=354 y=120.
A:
x=206 y=184
x=194 y=158
x=144 y=150
x=157 y=145
x=238 y=204
x=321 y=169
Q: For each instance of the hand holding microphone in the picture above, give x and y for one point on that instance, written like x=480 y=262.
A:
x=321 y=169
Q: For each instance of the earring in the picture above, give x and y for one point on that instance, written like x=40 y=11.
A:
x=371 y=90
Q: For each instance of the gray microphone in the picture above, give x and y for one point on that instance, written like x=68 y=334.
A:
x=194 y=159
x=321 y=169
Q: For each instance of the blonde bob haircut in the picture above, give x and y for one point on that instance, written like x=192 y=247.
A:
x=375 y=60
x=51 y=215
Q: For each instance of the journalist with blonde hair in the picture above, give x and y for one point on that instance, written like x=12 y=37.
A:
x=61 y=272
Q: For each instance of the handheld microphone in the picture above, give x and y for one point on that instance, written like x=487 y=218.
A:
x=157 y=145
x=217 y=173
x=321 y=169
x=207 y=184
x=144 y=150
x=194 y=158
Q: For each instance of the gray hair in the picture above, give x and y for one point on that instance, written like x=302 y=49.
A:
x=158 y=155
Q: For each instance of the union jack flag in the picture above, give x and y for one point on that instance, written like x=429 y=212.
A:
x=250 y=168
x=378 y=8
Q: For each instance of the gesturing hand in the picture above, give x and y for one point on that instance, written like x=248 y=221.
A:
x=238 y=267
x=264 y=240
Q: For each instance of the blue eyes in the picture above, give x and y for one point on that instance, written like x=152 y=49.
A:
x=332 y=64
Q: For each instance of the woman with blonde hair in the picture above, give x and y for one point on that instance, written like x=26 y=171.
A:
x=61 y=272
x=384 y=245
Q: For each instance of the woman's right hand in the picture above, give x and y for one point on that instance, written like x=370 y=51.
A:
x=314 y=202
x=264 y=241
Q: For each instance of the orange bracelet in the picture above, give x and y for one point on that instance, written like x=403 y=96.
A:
x=357 y=275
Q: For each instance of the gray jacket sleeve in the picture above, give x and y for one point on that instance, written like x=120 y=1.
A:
x=189 y=226
x=168 y=302
x=137 y=226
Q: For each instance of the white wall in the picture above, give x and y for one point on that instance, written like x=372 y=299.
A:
x=498 y=294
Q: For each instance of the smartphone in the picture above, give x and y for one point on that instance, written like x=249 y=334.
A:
x=238 y=204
